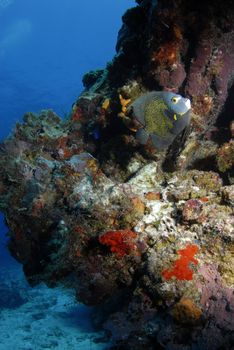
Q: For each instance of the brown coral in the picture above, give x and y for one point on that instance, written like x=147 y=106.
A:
x=166 y=55
x=225 y=156
x=186 y=312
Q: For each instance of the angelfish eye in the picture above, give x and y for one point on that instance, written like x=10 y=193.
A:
x=174 y=99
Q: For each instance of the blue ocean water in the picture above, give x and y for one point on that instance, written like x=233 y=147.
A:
x=46 y=46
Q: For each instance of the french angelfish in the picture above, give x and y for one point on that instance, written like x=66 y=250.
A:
x=162 y=116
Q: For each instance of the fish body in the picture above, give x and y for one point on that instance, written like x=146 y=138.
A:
x=161 y=116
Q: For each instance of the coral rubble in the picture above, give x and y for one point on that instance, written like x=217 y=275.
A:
x=145 y=235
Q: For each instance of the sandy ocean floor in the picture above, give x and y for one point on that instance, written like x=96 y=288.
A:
x=43 y=318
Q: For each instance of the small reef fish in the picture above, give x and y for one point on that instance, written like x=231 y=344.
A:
x=96 y=133
x=160 y=116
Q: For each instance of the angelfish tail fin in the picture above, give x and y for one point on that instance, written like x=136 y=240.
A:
x=142 y=136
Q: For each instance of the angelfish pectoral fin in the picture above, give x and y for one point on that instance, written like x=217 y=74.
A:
x=142 y=136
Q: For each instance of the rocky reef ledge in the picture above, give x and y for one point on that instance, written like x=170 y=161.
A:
x=145 y=236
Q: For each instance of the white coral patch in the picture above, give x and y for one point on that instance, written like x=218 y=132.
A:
x=155 y=208
x=146 y=179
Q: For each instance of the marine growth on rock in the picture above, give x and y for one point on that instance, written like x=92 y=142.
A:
x=141 y=228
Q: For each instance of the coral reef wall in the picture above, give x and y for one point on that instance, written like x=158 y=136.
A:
x=184 y=46
x=145 y=235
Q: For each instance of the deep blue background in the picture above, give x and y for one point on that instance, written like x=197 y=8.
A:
x=46 y=46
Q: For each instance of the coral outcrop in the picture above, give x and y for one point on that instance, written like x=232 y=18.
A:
x=145 y=235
